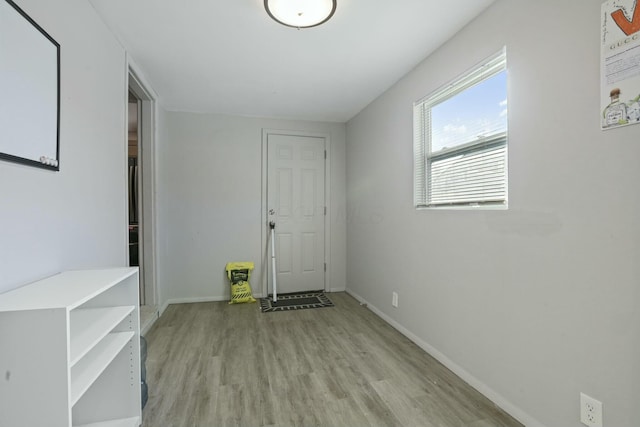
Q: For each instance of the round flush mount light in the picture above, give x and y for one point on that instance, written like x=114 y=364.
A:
x=300 y=13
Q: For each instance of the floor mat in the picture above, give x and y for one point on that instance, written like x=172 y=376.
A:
x=296 y=301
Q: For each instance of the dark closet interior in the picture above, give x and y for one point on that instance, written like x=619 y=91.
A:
x=134 y=208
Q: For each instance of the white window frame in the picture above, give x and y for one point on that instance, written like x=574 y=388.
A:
x=493 y=145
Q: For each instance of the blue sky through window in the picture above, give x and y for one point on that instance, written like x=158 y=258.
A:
x=475 y=113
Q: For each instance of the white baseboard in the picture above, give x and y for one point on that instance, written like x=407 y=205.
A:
x=143 y=331
x=474 y=382
x=149 y=321
x=190 y=301
x=196 y=300
x=162 y=308
x=337 y=290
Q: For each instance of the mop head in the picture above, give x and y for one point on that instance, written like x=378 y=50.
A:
x=239 y=273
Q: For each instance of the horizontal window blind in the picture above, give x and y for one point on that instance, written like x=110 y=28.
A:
x=477 y=175
x=419 y=157
x=471 y=173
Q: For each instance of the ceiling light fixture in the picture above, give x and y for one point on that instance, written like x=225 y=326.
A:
x=300 y=13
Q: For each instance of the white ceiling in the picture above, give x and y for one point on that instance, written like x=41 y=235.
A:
x=229 y=57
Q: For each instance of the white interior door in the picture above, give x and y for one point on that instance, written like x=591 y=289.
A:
x=296 y=202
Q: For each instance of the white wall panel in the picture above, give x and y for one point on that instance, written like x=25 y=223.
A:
x=540 y=302
x=210 y=194
x=75 y=218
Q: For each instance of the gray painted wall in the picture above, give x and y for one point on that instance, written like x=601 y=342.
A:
x=538 y=303
x=210 y=186
x=75 y=218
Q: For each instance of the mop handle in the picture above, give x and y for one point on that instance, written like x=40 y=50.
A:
x=272 y=225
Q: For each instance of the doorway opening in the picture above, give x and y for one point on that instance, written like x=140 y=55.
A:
x=141 y=183
x=134 y=183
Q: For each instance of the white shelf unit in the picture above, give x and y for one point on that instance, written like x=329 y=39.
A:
x=70 y=351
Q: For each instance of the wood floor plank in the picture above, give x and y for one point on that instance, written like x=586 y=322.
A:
x=405 y=409
x=214 y=364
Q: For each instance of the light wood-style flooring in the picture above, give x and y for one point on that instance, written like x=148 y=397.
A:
x=214 y=364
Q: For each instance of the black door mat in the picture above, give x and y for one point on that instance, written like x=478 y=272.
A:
x=296 y=301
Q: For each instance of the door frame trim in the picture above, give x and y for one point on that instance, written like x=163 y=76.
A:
x=137 y=83
x=264 y=227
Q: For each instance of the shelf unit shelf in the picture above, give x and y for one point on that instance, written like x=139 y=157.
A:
x=72 y=353
x=85 y=372
x=90 y=325
x=124 y=422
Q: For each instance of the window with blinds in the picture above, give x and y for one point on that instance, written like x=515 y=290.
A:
x=460 y=140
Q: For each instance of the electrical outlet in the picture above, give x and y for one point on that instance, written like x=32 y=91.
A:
x=590 y=411
x=394 y=299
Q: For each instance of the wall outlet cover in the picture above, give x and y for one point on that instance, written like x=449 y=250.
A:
x=590 y=411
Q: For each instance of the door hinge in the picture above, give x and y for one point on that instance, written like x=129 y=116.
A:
x=325 y=267
x=325 y=211
x=325 y=154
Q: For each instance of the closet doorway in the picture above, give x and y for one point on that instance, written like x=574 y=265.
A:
x=140 y=190
x=134 y=187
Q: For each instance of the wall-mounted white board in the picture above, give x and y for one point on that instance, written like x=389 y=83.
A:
x=29 y=90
